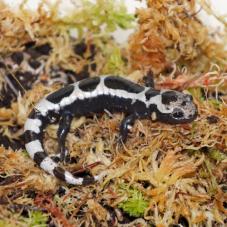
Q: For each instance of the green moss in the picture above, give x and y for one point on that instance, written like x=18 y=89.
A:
x=216 y=155
x=25 y=153
x=100 y=18
x=191 y=152
x=114 y=63
x=5 y=223
x=101 y=15
x=215 y=103
x=135 y=205
x=36 y=218
x=213 y=182
x=194 y=129
x=196 y=93
x=203 y=173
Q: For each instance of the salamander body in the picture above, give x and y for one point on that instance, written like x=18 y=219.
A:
x=95 y=95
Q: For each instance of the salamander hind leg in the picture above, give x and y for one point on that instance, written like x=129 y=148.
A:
x=64 y=126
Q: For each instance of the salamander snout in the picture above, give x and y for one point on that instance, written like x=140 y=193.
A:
x=184 y=109
x=178 y=107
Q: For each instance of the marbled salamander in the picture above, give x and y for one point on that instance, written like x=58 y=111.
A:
x=94 y=95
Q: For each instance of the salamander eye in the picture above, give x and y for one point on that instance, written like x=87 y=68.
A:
x=184 y=103
x=178 y=114
x=189 y=98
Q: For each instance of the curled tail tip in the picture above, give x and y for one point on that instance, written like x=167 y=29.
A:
x=68 y=177
x=34 y=147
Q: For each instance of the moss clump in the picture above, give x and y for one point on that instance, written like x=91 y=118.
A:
x=135 y=204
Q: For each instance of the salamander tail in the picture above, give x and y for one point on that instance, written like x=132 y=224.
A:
x=33 y=131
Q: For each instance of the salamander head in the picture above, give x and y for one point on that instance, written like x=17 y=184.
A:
x=176 y=107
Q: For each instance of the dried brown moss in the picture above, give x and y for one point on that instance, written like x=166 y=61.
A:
x=178 y=170
x=170 y=32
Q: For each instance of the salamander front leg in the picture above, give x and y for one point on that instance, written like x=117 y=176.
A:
x=125 y=126
x=64 y=126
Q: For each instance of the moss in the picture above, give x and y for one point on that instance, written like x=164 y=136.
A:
x=212 y=180
x=216 y=155
x=114 y=63
x=135 y=204
x=36 y=218
x=5 y=223
x=99 y=15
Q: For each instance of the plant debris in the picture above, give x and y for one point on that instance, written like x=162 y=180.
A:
x=164 y=175
x=170 y=32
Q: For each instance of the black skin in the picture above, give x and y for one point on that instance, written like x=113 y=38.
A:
x=133 y=112
x=66 y=119
x=64 y=126
x=129 y=120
